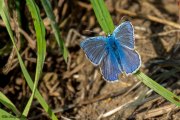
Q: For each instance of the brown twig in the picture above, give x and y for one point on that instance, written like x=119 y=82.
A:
x=150 y=17
x=157 y=34
x=96 y=99
x=111 y=112
x=31 y=42
x=134 y=102
x=76 y=69
x=155 y=112
x=85 y=5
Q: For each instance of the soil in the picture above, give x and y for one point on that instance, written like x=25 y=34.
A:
x=76 y=90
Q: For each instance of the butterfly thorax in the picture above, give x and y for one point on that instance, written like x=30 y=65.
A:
x=112 y=43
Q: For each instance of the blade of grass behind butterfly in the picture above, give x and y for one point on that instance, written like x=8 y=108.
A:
x=103 y=16
x=41 y=48
x=5 y=16
x=7 y=116
x=3 y=99
x=6 y=102
x=107 y=25
x=48 y=9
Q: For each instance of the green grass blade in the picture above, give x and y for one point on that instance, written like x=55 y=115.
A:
x=48 y=9
x=158 y=88
x=41 y=47
x=6 y=102
x=6 y=116
x=102 y=13
x=5 y=17
x=103 y=16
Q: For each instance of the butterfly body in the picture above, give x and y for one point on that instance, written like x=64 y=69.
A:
x=113 y=48
x=115 y=53
x=112 y=43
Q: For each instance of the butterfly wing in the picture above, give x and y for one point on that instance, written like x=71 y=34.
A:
x=109 y=66
x=94 y=48
x=129 y=59
x=124 y=33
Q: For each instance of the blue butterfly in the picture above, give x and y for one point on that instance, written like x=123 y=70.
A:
x=115 y=53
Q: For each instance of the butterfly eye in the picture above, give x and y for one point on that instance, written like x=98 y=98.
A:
x=109 y=35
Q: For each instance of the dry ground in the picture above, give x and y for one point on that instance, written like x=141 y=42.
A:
x=76 y=90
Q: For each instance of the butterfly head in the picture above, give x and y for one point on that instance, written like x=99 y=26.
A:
x=110 y=37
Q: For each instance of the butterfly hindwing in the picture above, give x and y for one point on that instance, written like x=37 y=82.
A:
x=94 y=48
x=109 y=66
x=130 y=60
x=124 y=33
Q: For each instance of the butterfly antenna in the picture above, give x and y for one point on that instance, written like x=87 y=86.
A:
x=125 y=18
x=94 y=32
x=90 y=31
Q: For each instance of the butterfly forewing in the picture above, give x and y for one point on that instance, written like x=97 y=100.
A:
x=94 y=47
x=124 y=33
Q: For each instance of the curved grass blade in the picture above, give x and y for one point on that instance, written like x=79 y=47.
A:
x=41 y=47
x=48 y=9
x=103 y=16
x=158 y=88
x=6 y=102
x=5 y=17
x=107 y=25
